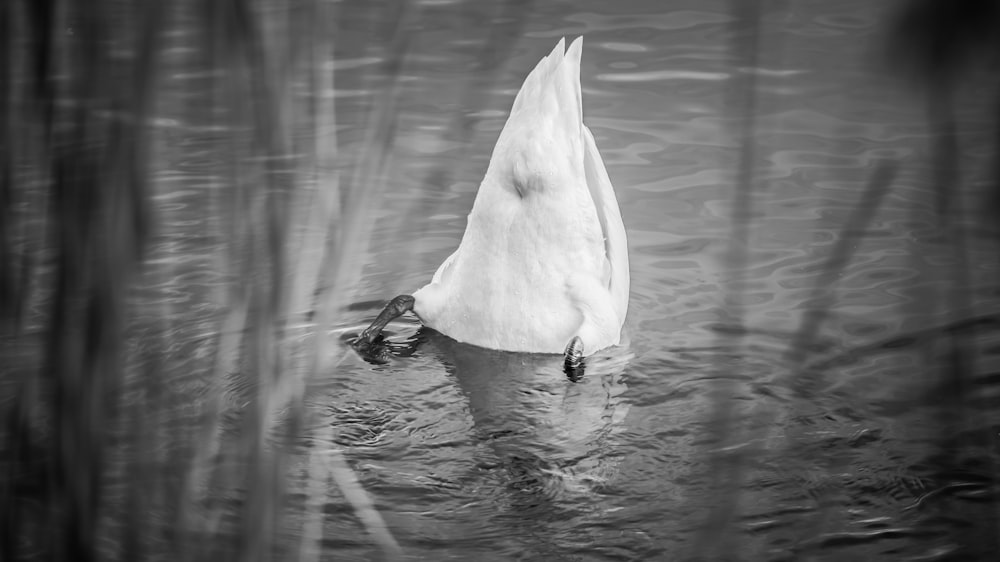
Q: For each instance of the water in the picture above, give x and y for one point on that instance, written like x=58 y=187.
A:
x=695 y=436
x=496 y=457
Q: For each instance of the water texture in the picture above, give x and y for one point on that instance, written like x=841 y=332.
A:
x=778 y=412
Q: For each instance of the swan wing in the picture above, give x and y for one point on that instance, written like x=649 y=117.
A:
x=615 y=242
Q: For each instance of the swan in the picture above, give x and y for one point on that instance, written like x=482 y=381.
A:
x=543 y=264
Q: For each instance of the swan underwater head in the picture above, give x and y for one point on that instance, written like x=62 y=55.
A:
x=543 y=264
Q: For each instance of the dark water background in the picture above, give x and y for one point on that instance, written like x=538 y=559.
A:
x=820 y=386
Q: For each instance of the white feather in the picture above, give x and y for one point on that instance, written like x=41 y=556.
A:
x=544 y=256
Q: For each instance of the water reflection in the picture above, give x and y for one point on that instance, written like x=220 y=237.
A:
x=547 y=433
x=549 y=442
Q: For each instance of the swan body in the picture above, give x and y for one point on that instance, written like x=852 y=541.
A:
x=544 y=258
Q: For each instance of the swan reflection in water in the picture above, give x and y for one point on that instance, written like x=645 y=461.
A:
x=545 y=436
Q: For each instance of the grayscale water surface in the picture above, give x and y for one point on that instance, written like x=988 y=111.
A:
x=480 y=455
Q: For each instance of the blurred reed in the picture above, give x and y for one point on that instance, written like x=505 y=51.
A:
x=715 y=538
x=940 y=48
x=79 y=102
x=83 y=394
x=946 y=50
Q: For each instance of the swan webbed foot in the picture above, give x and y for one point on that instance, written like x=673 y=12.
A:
x=368 y=343
x=573 y=363
x=376 y=351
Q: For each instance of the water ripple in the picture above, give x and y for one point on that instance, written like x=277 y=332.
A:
x=658 y=75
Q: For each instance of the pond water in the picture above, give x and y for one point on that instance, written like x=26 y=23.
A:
x=688 y=439
x=716 y=430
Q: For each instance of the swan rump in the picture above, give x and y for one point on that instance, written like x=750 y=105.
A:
x=544 y=258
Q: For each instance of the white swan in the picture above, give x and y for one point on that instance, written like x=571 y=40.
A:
x=543 y=264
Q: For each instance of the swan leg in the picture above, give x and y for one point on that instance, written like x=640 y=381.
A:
x=596 y=314
x=372 y=334
x=573 y=362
